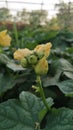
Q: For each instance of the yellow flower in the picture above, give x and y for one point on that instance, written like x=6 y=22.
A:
x=41 y=67
x=5 y=39
x=21 y=53
x=44 y=48
x=3 y=33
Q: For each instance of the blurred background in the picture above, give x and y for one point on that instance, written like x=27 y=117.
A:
x=54 y=14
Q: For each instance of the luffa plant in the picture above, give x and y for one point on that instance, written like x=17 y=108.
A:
x=28 y=111
x=37 y=59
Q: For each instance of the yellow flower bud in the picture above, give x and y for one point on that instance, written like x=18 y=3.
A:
x=5 y=39
x=24 y=63
x=21 y=53
x=41 y=67
x=32 y=59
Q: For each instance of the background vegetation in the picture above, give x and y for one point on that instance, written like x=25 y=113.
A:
x=20 y=106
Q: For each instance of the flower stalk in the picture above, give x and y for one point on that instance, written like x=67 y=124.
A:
x=42 y=92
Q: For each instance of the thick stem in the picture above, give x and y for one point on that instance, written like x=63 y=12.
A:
x=42 y=92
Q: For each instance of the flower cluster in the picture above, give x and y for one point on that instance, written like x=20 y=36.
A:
x=36 y=58
x=5 y=39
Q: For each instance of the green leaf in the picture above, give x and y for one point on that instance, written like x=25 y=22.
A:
x=62 y=65
x=57 y=68
x=4 y=59
x=65 y=65
x=70 y=50
x=20 y=114
x=60 y=119
x=66 y=87
x=51 y=80
x=55 y=72
x=50 y=101
x=68 y=74
x=6 y=82
x=66 y=68
x=15 y=67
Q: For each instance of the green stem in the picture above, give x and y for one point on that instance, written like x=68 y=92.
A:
x=42 y=92
x=16 y=33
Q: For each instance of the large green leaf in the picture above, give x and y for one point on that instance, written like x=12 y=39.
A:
x=54 y=72
x=57 y=68
x=20 y=114
x=6 y=82
x=66 y=87
x=60 y=119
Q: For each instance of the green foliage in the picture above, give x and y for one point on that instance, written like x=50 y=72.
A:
x=20 y=106
x=60 y=119
x=15 y=67
x=66 y=87
x=21 y=114
x=4 y=59
x=6 y=82
x=30 y=37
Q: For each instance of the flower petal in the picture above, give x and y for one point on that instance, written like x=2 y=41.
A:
x=44 y=48
x=21 y=53
x=5 y=39
x=3 y=33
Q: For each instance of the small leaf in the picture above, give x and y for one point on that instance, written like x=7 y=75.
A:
x=50 y=101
